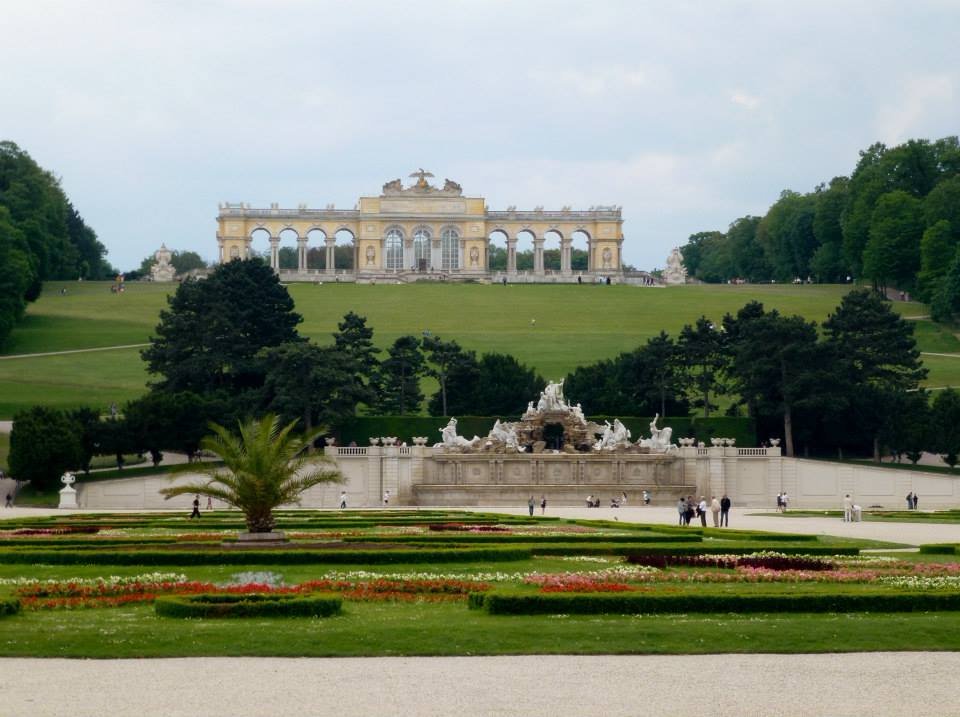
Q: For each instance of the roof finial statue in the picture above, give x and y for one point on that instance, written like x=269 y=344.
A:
x=421 y=175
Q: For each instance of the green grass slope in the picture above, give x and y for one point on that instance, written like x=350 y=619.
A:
x=575 y=325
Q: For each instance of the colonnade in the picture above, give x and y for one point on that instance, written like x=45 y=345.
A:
x=330 y=245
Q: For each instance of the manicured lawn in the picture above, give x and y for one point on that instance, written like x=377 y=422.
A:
x=575 y=325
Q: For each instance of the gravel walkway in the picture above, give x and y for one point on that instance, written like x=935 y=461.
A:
x=715 y=685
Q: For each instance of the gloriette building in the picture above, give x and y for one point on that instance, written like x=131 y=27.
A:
x=424 y=231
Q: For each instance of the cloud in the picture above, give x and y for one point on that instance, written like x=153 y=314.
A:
x=745 y=100
x=919 y=97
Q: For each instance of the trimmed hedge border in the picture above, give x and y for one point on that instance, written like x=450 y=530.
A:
x=252 y=605
x=939 y=549
x=261 y=557
x=453 y=537
x=516 y=603
x=9 y=606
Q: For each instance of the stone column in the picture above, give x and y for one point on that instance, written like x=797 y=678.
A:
x=511 y=255
x=331 y=245
x=538 y=256
x=565 y=245
x=589 y=254
x=301 y=255
x=275 y=253
x=408 y=259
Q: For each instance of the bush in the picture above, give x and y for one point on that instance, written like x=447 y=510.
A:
x=526 y=603
x=249 y=605
x=938 y=549
x=44 y=444
x=9 y=606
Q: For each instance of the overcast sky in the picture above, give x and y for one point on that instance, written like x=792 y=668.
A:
x=686 y=114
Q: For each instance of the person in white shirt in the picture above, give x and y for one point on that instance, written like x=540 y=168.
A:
x=702 y=509
x=847 y=508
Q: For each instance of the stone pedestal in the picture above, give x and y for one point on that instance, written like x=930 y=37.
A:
x=259 y=540
x=68 y=498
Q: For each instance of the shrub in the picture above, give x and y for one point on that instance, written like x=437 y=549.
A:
x=9 y=606
x=251 y=605
x=938 y=549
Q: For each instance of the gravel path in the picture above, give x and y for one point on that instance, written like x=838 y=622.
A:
x=715 y=685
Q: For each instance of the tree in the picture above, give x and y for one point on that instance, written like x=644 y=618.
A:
x=654 y=378
x=598 y=386
x=907 y=432
x=875 y=350
x=945 y=299
x=746 y=253
x=786 y=235
x=317 y=384
x=503 y=386
x=893 y=250
x=775 y=366
x=399 y=378
x=174 y=421
x=945 y=420
x=187 y=261
x=355 y=339
x=209 y=338
x=455 y=370
x=17 y=273
x=705 y=358
x=44 y=444
x=264 y=466
x=937 y=249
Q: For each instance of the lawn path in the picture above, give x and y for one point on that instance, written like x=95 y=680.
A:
x=73 y=351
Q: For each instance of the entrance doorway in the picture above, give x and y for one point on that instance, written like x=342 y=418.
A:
x=553 y=436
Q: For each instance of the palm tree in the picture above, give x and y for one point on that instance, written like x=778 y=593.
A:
x=264 y=467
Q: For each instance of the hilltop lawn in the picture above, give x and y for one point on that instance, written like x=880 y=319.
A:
x=574 y=325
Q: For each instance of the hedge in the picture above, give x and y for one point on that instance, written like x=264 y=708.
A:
x=262 y=557
x=9 y=606
x=939 y=549
x=251 y=605
x=454 y=537
x=517 y=603
x=359 y=429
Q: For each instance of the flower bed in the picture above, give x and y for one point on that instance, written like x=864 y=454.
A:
x=768 y=560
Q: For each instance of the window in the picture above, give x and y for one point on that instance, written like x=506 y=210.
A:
x=394 y=249
x=450 y=249
x=421 y=247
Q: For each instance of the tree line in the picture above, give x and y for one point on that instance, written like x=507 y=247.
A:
x=895 y=222
x=42 y=236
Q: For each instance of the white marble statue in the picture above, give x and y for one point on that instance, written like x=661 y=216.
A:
x=659 y=441
x=615 y=436
x=577 y=412
x=505 y=433
x=452 y=440
x=551 y=398
x=162 y=269
x=676 y=272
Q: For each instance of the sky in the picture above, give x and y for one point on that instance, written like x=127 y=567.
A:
x=686 y=114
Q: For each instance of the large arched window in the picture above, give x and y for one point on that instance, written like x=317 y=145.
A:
x=450 y=249
x=393 y=244
x=421 y=247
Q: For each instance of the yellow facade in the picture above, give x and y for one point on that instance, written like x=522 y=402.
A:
x=407 y=232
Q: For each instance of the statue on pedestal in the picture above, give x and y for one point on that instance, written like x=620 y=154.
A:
x=162 y=269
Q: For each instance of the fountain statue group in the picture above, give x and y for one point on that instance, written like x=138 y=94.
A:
x=579 y=433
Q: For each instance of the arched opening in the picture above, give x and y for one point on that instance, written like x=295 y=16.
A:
x=289 y=250
x=552 y=244
x=259 y=245
x=316 y=250
x=393 y=249
x=450 y=249
x=421 y=249
x=344 y=254
x=497 y=250
x=579 y=248
x=525 y=250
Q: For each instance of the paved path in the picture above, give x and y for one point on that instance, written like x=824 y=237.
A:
x=716 y=685
x=72 y=351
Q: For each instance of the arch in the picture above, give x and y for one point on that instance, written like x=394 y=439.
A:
x=259 y=244
x=393 y=248
x=497 y=250
x=316 y=248
x=422 y=236
x=450 y=249
x=525 y=239
x=552 y=249
x=579 y=251
x=345 y=256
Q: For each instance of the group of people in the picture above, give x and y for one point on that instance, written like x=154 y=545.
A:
x=531 y=504
x=615 y=502
x=851 y=511
x=912 y=500
x=688 y=509
x=783 y=502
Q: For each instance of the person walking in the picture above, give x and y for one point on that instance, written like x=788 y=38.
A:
x=715 y=510
x=531 y=504
x=646 y=497
x=386 y=498
x=916 y=499
x=702 y=511
x=543 y=505
x=847 y=508
x=209 y=503
x=343 y=499
x=910 y=500
x=725 y=511
x=196 y=508
x=681 y=509
x=786 y=501
x=9 y=500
